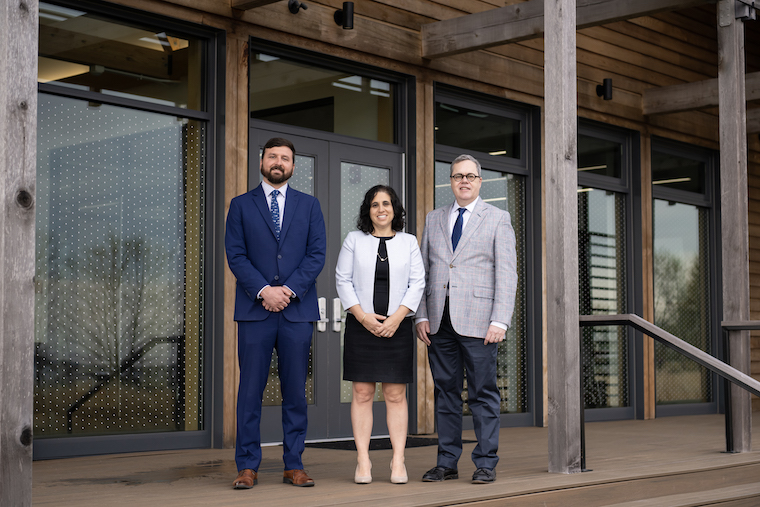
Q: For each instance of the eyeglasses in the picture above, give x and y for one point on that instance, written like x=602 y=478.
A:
x=458 y=177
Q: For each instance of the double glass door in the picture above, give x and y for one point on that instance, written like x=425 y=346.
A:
x=338 y=172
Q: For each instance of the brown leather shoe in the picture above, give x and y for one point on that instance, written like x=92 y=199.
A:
x=297 y=478
x=246 y=479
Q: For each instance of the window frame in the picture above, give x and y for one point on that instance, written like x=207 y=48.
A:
x=710 y=200
x=212 y=300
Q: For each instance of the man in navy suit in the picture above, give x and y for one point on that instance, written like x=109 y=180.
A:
x=275 y=244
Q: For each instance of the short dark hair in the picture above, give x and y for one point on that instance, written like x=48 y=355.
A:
x=364 y=222
x=462 y=158
x=279 y=141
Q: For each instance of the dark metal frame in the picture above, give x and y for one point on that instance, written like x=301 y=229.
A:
x=211 y=390
x=710 y=200
x=629 y=184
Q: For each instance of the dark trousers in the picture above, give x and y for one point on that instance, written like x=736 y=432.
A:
x=450 y=354
x=256 y=340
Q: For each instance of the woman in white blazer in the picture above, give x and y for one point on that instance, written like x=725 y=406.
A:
x=380 y=280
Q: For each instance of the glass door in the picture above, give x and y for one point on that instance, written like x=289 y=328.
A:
x=338 y=174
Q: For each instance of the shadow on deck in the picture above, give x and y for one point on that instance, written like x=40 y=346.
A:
x=675 y=461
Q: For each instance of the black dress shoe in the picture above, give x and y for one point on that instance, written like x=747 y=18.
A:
x=484 y=476
x=439 y=474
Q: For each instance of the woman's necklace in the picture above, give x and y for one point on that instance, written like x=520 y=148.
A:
x=382 y=259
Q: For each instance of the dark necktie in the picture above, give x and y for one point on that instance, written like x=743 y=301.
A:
x=457 y=232
x=275 y=209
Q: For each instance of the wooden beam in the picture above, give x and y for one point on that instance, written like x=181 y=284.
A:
x=734 y=205
x=18 y=144
x=525 y=20
x=690 y=96
x=244 y=5
x=563 y=334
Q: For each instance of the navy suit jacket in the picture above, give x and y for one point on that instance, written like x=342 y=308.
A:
x=257 y=259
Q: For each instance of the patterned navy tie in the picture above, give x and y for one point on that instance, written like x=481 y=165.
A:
x=457 y=232
x=275 y=209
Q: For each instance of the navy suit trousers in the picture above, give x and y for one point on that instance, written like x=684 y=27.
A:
x=450 y=354
x=256 y=340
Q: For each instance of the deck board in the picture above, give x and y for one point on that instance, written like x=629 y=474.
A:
x=623 y=456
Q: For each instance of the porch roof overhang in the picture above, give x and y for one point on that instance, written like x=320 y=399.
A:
x=525 y=20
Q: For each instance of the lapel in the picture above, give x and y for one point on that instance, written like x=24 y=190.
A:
x=260 y=202
x=472 y=225
x=292 y=198
x=444 y=225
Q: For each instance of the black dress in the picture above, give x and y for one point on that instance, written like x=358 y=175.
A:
x=369 y=358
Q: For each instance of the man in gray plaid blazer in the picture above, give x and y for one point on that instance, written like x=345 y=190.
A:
x=468 y=249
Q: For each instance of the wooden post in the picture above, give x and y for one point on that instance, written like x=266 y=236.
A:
x=733 y=202
x=561 y=202
x=18 y=140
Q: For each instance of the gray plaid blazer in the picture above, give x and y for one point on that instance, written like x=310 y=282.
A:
x=481 y=275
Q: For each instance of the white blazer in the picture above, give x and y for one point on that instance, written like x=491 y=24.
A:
x=355 y=271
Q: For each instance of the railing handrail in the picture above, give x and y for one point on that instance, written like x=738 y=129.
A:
x=700 y=356
x=740 y=325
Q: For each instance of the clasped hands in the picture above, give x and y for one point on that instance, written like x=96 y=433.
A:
x=495 y=334
x=380 y=325
x=275 y=299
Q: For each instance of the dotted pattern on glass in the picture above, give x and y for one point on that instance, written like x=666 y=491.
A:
x=119 y=270
x=302 y=180
x=603 y=289
x=681 y=299
x=507 y=192
x=355 y=180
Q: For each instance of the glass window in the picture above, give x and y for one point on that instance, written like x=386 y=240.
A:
x=84 y=51
x=303 y=95
x=681 y=299
x=603 y=289
x=478 y=131
x=679 y=173
x=119 y=270
x=681 y=242
x=602 y=265
x=599 y=156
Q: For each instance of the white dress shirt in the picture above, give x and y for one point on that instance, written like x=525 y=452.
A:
x=267 y=188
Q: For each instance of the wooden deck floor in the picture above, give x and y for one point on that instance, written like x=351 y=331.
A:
x=620 y=453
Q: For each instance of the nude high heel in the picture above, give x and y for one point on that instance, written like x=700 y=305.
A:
x=399 y=479
x=361 y=479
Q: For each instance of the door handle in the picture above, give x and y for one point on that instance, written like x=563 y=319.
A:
x=323 y=320
x=337 y=315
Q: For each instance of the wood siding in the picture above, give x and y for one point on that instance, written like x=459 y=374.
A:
x=665 y=49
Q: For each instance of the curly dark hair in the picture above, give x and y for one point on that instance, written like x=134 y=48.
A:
x=364 y=222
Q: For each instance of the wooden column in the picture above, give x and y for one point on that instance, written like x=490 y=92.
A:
x=733 y=202
x=18 y=145
x=561 y=202
x=235 y=183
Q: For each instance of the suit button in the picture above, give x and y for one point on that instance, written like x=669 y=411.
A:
x=276 y=277
x=444 y=285
x=279 y=256
x=451 y=266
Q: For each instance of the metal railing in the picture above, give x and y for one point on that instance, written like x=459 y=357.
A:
x=701 y=357
x=727 y=327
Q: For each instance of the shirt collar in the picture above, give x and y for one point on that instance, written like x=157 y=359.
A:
x=268 y=188
x=470 y=207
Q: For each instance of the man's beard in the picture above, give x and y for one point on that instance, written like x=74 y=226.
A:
x=281 y=178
